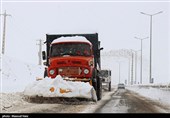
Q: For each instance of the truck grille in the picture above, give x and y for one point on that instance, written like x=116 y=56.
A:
x=61 y=62
x=76 y=62
x=69 y=71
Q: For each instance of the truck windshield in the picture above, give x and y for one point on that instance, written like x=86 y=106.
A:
x=103 y=73
x=72 y=49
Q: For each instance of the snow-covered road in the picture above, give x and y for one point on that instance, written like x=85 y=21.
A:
x=126 y=101
x=116 y=101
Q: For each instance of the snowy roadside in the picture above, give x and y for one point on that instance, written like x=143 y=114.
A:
x=161 y=95
x=16 y=75
x=10 y=100
x=14 y=103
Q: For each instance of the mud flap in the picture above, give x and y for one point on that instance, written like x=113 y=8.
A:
x=99 y=88
x=109 y=86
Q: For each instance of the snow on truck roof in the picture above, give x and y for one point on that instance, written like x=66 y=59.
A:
x=71 y=39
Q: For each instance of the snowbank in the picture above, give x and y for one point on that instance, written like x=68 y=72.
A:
x=16 y=75
x=59 y=87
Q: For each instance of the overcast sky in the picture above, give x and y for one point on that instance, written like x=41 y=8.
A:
x=116 y=22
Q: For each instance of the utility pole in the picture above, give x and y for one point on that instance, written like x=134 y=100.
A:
x=129 y=68
x=119 y=62
x=4 y=28
x=119 y=72
x=136 y=53
x=151 y=16
x=40 y=51
x=132 y=70
x=141 y=58
x=129 y=71
x=119 y=69
x=135 y=65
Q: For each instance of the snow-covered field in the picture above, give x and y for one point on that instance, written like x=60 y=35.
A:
x=16 y=75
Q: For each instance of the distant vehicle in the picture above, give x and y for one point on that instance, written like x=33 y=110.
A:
x=121 y=86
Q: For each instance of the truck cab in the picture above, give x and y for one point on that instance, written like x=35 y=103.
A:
x=72 y=58
x=105 y=74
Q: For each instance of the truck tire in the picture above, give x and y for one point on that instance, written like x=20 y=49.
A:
x=99 y=88
x=110 y=86
x=94 y=81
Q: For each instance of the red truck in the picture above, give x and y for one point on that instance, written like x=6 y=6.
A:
x=76 y=57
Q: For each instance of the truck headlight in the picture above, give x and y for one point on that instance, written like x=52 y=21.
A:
x=86 y=71
x=52 y=72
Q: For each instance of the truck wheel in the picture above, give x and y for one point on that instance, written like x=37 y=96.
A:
x=109 y=86
x=99 y=88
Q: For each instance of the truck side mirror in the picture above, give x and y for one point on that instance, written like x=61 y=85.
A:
x=101 y=49
x=43 y=55
x=98 y=51
x=44 y=63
